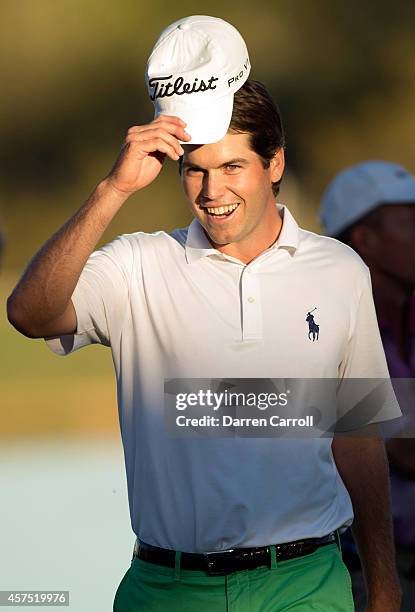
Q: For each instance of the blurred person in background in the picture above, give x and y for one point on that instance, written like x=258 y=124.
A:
x=371 y=208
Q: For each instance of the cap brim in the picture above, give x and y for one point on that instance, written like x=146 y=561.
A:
x=206 y=124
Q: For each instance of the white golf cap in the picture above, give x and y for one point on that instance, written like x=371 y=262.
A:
x=357 y=190
x=194 y=69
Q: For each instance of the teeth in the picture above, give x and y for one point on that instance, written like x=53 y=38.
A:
x=221 y=210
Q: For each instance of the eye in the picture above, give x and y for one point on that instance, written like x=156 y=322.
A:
x=232 y=167
x=193 y=170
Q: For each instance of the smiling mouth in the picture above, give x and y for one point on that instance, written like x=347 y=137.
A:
x=220 y=211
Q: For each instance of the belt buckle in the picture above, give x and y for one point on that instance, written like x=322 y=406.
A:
x=136 y=548
x=213 y=568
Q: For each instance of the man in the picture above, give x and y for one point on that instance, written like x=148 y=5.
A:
x=223 y=523
x=370 y=207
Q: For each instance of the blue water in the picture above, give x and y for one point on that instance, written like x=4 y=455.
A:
x=64 y=521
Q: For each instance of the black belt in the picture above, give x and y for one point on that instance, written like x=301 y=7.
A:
x=233 y=560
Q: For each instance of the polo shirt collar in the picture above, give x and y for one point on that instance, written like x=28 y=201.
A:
x=198 y=246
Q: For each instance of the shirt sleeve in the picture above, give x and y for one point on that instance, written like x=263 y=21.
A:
x=100 y=298
x=365 y=392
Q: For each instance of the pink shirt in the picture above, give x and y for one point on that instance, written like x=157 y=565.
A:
x=397 y=367
x=403 y=489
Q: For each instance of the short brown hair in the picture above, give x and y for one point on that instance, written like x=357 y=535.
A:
x=255 y=113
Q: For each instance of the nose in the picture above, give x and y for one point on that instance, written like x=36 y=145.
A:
x=212 y=186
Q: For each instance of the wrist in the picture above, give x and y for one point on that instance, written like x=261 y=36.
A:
x=385 y=599
x=106 y=186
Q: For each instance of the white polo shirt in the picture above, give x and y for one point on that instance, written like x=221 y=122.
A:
x=171 y=306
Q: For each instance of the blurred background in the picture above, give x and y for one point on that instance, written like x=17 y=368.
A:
x=72 y=74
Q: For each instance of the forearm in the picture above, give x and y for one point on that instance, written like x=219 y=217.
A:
x=40 y=304
x=363 y=467
x=45 y=289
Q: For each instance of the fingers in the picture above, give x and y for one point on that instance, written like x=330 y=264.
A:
x=160 y=129
x=162 y=134
x=167 y=127
x=144 y=145
x=171 y=118
x=149 y=141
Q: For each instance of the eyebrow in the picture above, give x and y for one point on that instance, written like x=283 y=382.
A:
x=230 y=162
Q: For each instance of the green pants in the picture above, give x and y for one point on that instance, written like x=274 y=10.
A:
x=317 y=582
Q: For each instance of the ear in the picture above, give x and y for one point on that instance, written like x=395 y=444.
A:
x=277 y=165
x=364 y=240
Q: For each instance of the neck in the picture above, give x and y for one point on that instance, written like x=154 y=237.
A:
x=259 y=240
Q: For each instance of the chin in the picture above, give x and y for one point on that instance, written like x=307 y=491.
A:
x=222 y=237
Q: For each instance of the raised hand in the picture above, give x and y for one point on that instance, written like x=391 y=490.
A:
x=144 y=151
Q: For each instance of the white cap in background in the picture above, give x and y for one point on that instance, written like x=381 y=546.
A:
x=356 y=191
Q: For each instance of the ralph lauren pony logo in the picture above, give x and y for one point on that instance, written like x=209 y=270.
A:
x=313 y=328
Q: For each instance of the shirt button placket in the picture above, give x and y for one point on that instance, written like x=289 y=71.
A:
x=251 y=305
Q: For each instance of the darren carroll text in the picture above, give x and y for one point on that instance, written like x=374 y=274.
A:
x=229 y=421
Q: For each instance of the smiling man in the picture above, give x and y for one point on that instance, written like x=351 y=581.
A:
x=228 y=187
x=223 y=522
